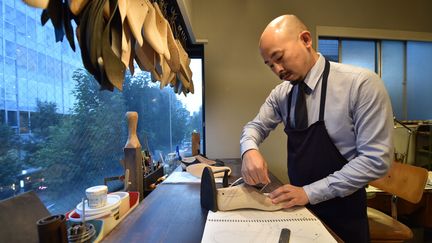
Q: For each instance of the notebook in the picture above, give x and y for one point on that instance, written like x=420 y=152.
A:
x=261 y=226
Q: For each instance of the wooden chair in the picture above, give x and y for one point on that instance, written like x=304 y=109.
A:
x=402 y=181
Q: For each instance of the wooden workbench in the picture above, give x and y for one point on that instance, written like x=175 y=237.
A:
x=171 y=213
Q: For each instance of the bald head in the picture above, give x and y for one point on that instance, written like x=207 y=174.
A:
x=285 y=26
x=286 y=47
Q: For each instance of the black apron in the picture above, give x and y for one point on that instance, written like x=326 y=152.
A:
x=312 y=156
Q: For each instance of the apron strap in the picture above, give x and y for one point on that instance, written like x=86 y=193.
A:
x=324 y=89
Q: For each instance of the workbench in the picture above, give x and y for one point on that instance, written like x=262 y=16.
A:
x=171 y=213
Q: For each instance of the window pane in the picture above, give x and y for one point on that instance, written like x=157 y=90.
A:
x=12 y=118
x=419 y=85
x=10 y=14
x=24 y=122
x=74 y=133
x=392 y=71
x=2 y=117
x=193 y=103
x=10 y=49
x=329 y=48
x=359 y=53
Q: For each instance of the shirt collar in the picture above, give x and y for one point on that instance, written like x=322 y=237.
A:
x=314 y=75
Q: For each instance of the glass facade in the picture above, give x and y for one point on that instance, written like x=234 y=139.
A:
x=32 y=65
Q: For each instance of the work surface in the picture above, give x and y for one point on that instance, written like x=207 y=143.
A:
x=171 y=213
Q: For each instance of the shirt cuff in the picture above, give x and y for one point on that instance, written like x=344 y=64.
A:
x=318 y=191
x=247 y=145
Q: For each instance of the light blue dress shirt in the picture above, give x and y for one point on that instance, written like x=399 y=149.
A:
x=358 y=118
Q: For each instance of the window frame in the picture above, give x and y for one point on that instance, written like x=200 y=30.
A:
x=378 y=35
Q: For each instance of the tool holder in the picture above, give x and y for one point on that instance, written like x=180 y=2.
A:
x=152 y=178
x=133 y=157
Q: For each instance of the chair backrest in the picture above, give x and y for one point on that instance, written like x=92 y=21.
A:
x=403 y=180
x=18 y=217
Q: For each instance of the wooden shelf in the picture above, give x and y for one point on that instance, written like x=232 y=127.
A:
x=423 y=154
x=423 y=133
x=424 y=151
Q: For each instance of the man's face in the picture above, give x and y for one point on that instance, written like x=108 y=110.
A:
x=286 y=56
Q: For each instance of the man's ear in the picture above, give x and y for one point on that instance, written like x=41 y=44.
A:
x=306 y=38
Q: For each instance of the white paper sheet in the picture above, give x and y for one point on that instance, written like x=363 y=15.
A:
x=429 y=181
x=185 y=177
x=370 y=188
x=260 y=226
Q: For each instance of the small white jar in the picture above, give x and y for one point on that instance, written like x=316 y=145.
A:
x=97 y=196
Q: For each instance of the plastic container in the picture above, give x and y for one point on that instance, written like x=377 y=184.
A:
x=97 y=196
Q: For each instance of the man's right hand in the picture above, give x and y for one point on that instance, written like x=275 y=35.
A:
x=254 y=168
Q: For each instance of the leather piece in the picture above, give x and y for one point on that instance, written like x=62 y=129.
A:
x=83 y=40
x=162 y=27
x=150 y=32
x=244 y=196
x=76 y=6
x=44 y=17
x=174 y=61
x=68 y=25
x=61 y=17
x=113 y=66
x=94 y=30
x=55 y=13
x=136 y=13
x=145 y=56
x=43 y=4
x=197 y=170
x=186 y=73
x=107 y=39
x=126 y=36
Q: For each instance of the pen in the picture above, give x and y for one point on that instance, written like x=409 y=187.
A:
x=284 y=235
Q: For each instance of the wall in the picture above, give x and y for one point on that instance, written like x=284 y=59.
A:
x=237 y=81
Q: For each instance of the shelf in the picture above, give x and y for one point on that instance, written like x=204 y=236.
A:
x=423 y=154
x=424 y=151
x=423 y=133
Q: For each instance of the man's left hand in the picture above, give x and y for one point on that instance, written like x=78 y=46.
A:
x=289 y=196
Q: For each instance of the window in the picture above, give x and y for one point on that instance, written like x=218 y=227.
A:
x=12 y=118
x=67 y=134
x=404 y=67
x=2 y=117
x=24 y=122
x=392 y=72
x=329 y=48
x=359 y=53
x=419 y=85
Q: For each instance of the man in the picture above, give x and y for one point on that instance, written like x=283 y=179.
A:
x=342 y=140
